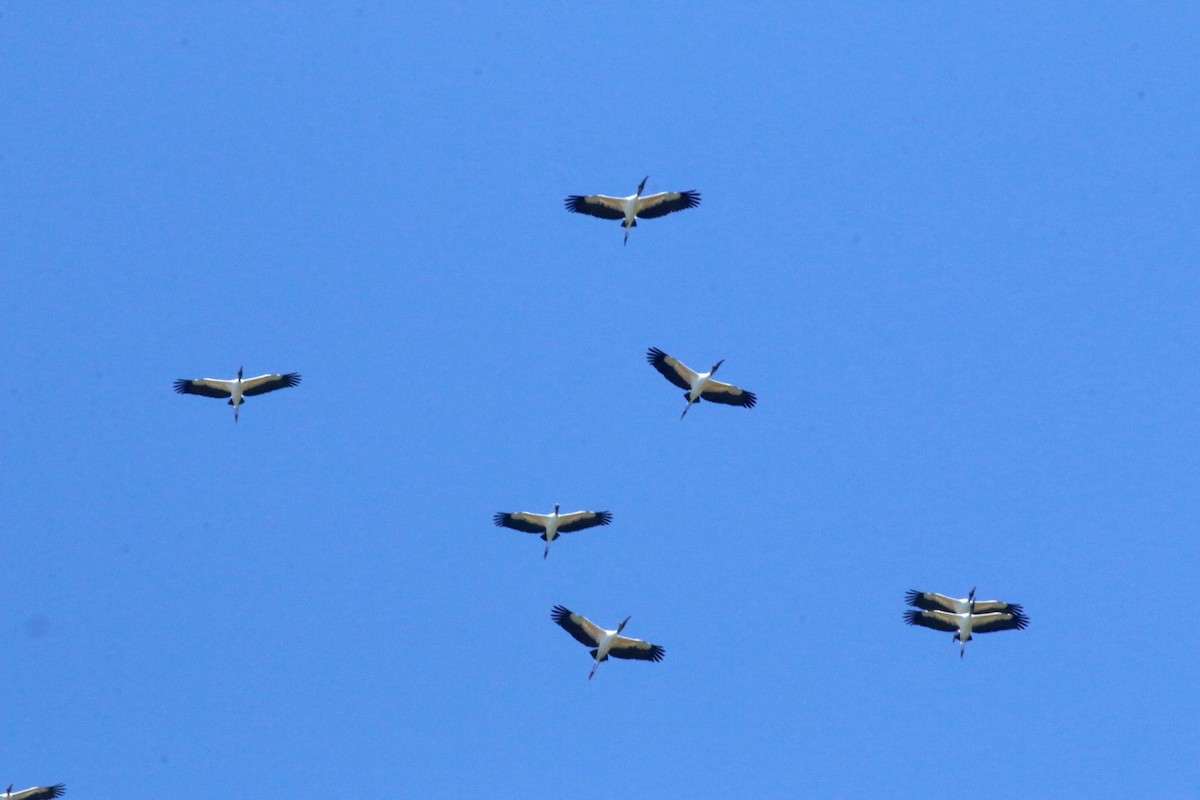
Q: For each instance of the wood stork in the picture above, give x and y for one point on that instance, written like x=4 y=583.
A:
x=605 y=643
x=699 y=384
x=36 y=792
x=967 y=621
x=238 y=389
x=932 y=601
x=628 y=209
x=551 y=525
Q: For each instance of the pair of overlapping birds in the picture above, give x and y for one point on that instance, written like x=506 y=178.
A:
x=962 y=616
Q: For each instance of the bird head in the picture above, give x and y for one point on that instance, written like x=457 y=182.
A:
x=624 y=622
x=239 y=373
x=714 y=369
x=642 y=185
x=556 y=509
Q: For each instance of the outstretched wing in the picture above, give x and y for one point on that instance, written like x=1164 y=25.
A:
x=663 y=203
x=581 y=628
x=521 y=521
x=728 y=394
x=269 y=383
x=569 y=523
x=205 y=387
x=39 y=793
x=990 y=623
x=672 y=368
x=938 y=620
x=596 y=205
x=636 y=649
x=935 y=602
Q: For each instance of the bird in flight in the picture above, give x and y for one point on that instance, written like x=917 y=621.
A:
x=605 y=643
x=629 y=209
x=237 y=389
x=36 y=792
x=699 y=385
x=551 y=525
x=963 y=616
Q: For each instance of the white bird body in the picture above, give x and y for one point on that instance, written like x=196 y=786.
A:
x=628 y=209
x=237 y=389
x=933 y=601
x=966 y=622
x=699 y=385
x=36 y=792
x=549 y=526
x=605 y=643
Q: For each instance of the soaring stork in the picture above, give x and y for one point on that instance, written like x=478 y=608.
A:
x=551 y=525
x=605 y=643
x=36 y=792
x=967 y=621
x=238 y=389
x=628 y=209
x=699 y=384
x=932 y=601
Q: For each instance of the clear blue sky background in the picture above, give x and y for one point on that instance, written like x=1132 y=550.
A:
x=952 y=246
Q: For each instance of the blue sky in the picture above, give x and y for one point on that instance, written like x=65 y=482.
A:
x=952 y=249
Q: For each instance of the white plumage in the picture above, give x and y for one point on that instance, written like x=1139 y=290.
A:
x=36 y=792
x=603 y=642
x=237 y=389
x=629 y=209
x=933 y=601
x=699 y=385
x=551 y=525
x=963 y=617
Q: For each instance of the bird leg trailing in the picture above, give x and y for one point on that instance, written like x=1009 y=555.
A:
x=631 y=220
x=688 y=402
x=546 y=552
x=594 y=668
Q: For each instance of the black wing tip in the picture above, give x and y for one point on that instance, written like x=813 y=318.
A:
x=559 y=613
x=573 y=202
x=603 y=517
x=57 y=789
x=912 y=616
x=500 y=518
x=691 y=197
x=912 y=596
x=1012 y=623
x=744 y=400
x=181 y=385
x=657 y=652
x=291 y=378
x=654 y=355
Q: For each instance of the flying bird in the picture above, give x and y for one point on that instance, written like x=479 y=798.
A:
x=699 y=384
x=238 y=389
x=605 y=643
x=551 y=525
x=628 y=209
x=36 y=792
x=933 y=601
x=967 y=622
